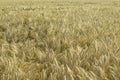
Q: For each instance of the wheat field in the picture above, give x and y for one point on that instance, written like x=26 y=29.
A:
x=59 y=40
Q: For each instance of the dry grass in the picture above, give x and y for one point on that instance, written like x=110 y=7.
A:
x=60 y=40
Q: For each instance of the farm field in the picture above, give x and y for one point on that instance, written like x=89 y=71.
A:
x=60 y=40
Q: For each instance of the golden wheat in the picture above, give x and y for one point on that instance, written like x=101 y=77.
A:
x=60 y=40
